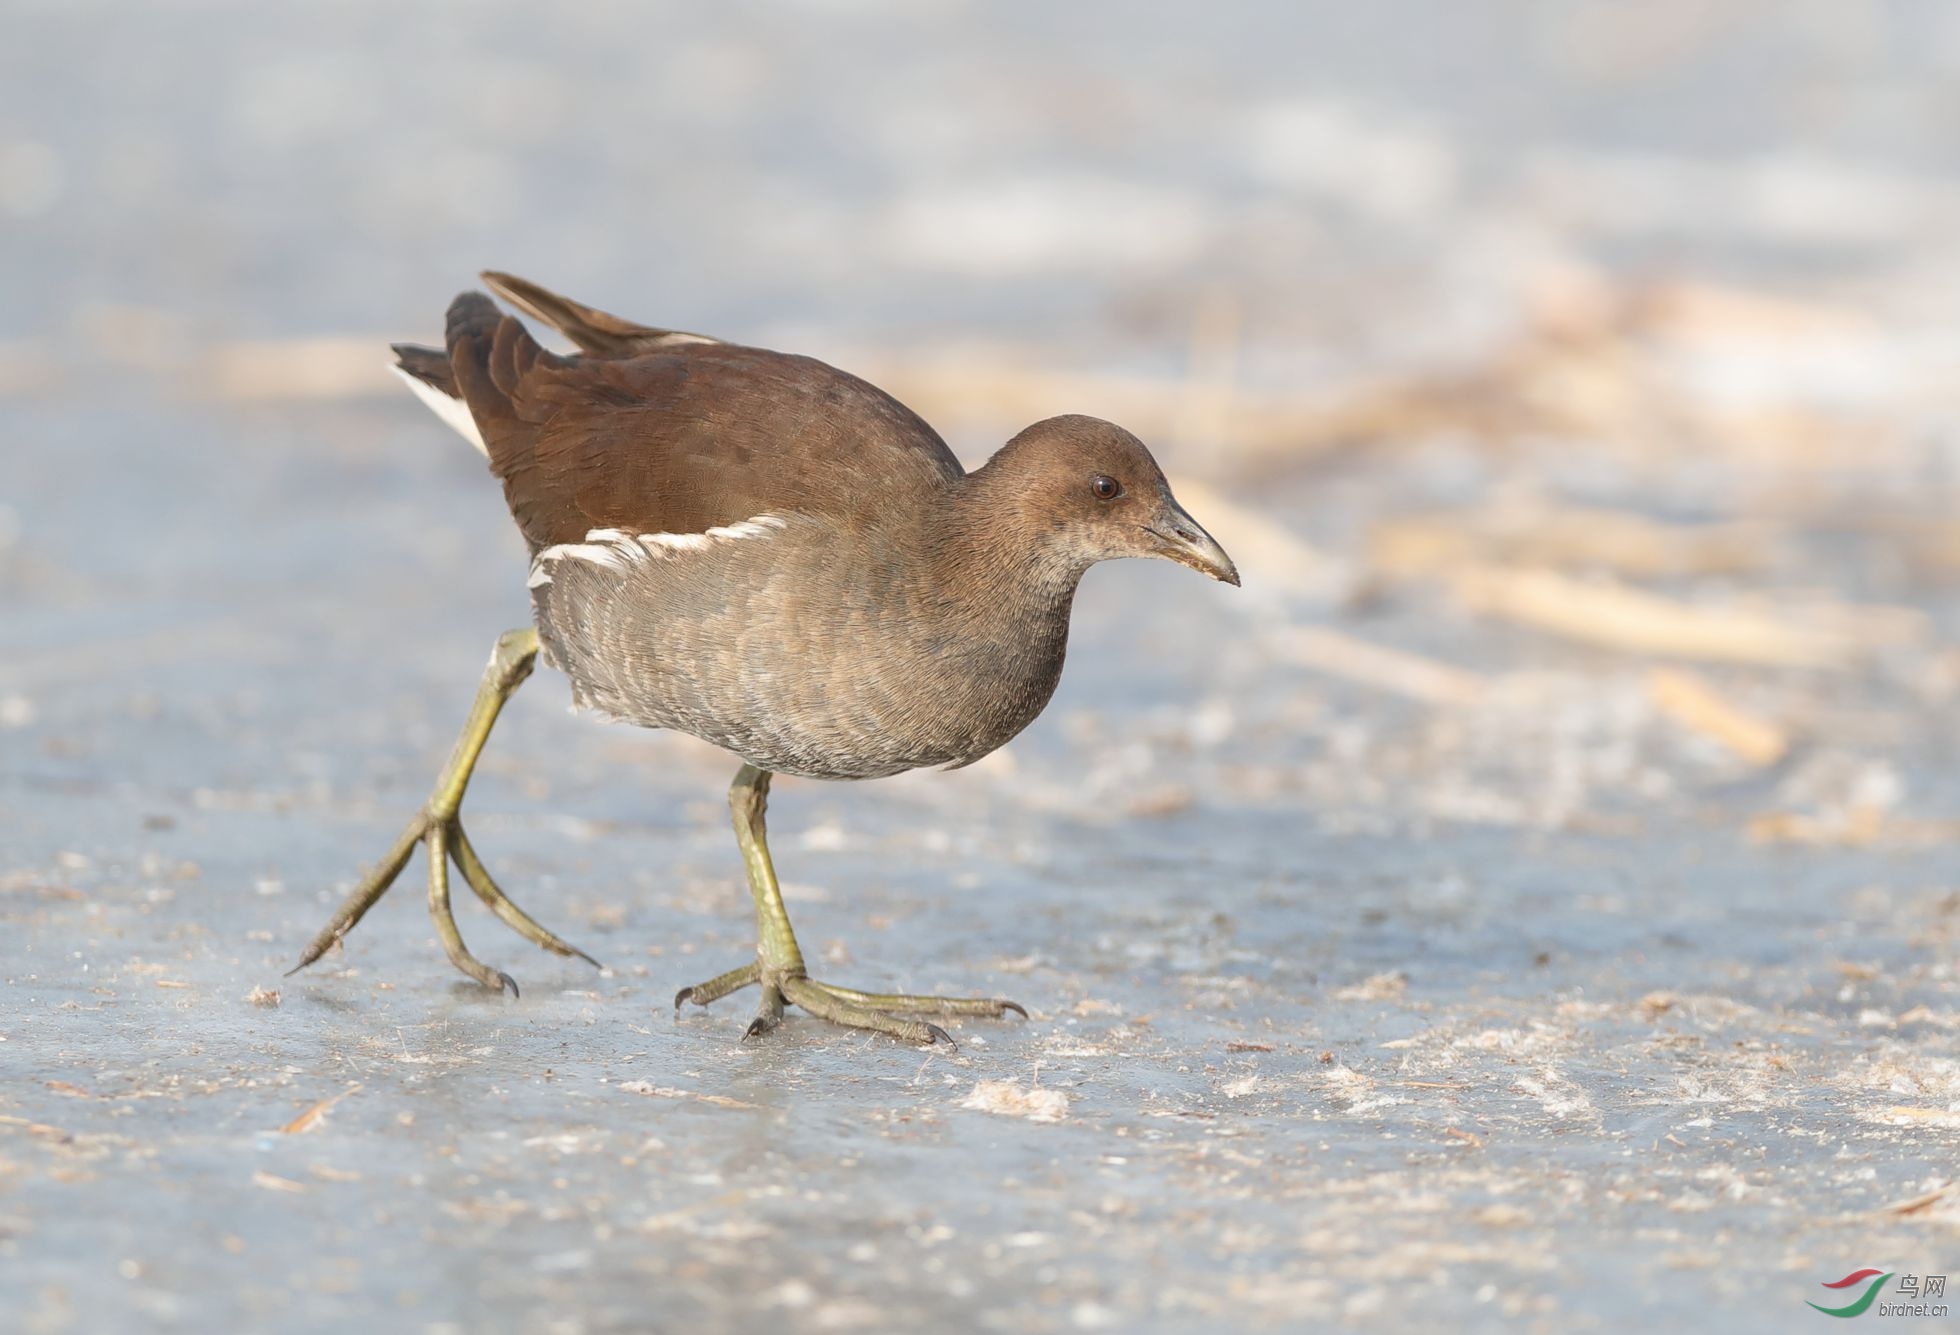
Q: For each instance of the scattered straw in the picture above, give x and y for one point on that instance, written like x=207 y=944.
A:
x=1924 y=1202
x=273 y=1182
x=311 y=1119
x=1696 y=705
x=1613 y=616
x=1378 y=666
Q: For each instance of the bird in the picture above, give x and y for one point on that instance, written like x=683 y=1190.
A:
x=770 y=554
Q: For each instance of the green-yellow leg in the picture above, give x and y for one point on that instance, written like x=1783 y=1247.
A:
x=779 y=968
x=439 y=824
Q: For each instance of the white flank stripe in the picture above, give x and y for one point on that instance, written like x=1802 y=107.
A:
x=453 y=411
x=615 y=549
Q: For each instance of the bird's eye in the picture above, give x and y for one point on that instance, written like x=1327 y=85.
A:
x=1106 y=488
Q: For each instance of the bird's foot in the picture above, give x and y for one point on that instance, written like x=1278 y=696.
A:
x=439 y=824
x=881 y=1012
x=443 y=833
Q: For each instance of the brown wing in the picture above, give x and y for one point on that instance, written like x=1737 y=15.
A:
x=683 y=437
x=593 y=331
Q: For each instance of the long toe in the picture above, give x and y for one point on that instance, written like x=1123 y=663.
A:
x=501 y=904
x=720 y=985
x=825 y=1005
x=904 y=1003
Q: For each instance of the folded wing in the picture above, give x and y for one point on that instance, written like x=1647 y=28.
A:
x=652 y=431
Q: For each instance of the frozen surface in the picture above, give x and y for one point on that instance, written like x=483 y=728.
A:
x=1410 y=943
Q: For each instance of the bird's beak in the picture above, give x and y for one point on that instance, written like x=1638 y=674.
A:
x=1179 y=538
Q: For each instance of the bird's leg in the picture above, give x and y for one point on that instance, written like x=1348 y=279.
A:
x=779 y=968
x=439 y=824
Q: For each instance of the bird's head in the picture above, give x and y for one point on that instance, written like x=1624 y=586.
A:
x=1089 y=491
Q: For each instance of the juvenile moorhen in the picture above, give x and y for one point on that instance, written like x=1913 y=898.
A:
x=774 y=556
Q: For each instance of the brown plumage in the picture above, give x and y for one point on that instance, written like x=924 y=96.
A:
x=775 y=556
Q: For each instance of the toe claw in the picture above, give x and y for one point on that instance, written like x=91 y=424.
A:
x=757 y=1027
x=1016 y=1007
x=682 y=997
x=508 y=982
x=588 y=959
x=936 y=1035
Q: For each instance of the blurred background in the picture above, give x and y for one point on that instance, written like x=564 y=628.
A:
x=1530 y=901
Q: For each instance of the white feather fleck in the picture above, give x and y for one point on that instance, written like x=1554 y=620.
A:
x=598 y=554
x=759 y=527
x=675 y=542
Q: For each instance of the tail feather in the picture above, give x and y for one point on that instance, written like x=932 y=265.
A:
x=428 y=373
x=470 y=329
x=429 y=365
x=491 y=354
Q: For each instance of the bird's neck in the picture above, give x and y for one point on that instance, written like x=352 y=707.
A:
x=989 y=621
x=995 y=549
